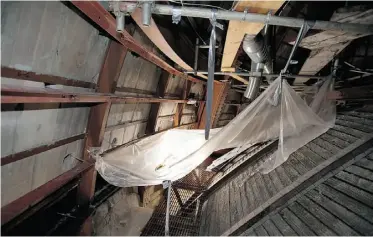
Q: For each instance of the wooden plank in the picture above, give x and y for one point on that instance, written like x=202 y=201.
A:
x=157 y=38
x=235 y=202
x=356 y=181
x=318 y=227
x=282 y=225
x=271 y=228
x=260 y=231
x=19 y=205
x=296 y=224
x=237 y=29
x=367 y=174
x=37 y=150
x=98 y=14
x=334 y=140
x=224 y=209
x=269 y=184
x=324 y=170
x=44 y=78
x=347 y=202
x=351 y=191
x=326 y=218
x=342 y=136
x=365 y=164
x=327 y=44
x=354 y=221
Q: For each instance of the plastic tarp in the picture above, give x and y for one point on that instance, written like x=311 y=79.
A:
x=278 y=113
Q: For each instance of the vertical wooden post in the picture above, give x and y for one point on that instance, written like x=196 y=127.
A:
x=109 y=75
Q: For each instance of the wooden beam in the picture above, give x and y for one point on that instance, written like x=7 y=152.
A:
x=327 y=44
x=98 y=14
x=19 y=205
x=238 y=29
x=44 y=78
x=37 y=150
x=157 y=38
x=98 y=115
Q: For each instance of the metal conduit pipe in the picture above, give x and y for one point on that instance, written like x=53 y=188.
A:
x=260 y=61
x=249 y=17
x=146 y=13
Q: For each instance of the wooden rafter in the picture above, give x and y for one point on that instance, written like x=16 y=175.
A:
x=238 y=29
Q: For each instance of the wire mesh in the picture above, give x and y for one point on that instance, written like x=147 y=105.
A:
x=185 y=206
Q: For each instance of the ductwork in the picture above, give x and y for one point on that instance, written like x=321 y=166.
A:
x=260 y=62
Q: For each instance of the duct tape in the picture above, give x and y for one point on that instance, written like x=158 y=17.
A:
x=213 y=20
x=176 y=15
x=268 y=18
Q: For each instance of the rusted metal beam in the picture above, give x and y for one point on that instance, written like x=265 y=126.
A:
x=98 y=115
x=44 y=78
x=13 y=95
x=37 y=150
x=180 y=107
x=98 y=14
x=163 y=83
x=19 y=205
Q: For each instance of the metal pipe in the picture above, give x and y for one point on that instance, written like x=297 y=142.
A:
x=196 y=52
x=167 y=226
x=249 y=74
x=161 y=9
x=211 y=73
x=119 y=16
x=302 y=32
x=146 y=13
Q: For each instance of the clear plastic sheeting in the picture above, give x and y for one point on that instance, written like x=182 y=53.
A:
x=278 y=113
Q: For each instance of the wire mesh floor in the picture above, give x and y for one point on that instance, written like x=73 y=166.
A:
x=185 y=206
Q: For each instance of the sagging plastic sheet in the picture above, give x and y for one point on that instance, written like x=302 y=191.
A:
x=278 y=113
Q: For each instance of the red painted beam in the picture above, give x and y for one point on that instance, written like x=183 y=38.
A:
x=97 y=13
x=11 y=95
x=37 y=150
x=18 y=206
x=44 y=78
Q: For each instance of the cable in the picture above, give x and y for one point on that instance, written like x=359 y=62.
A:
x=203 y=5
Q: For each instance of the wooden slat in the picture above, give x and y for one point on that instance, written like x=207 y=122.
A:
x=326 y=218
x=351 y=191
x=307 y=217
x=271 y=228
x=296 y=224
x=238 y=29
x=360 y=225
x=344 y=200
x=356 y=181
x=282 y=225
x=260 y=231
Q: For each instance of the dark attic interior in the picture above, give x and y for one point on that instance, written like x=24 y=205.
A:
x=185 y=118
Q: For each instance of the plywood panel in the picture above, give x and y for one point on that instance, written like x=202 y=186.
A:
x=238 y=29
